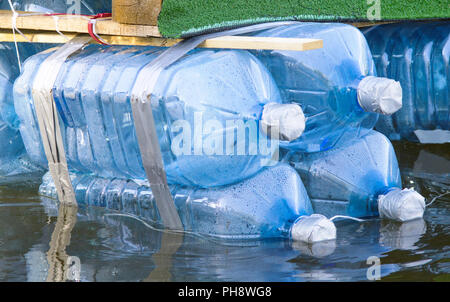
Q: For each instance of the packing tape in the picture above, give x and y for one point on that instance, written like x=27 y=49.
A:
x=48 y=118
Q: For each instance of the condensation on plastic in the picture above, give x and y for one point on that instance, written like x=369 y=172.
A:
x=48 y=118
x=347 y=179
x=401 y=205
x=369 y=185
x=218 y=85
x=285 y=121
x=263 y=206
x=322 y=81
x=314 y=228
x=144 y=121
x=380 y=95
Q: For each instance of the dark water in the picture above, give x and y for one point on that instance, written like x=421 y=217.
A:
x=37 y=244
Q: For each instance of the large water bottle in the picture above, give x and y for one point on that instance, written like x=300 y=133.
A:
x=359 y=178
x=266 y=205
x=336 y=86
x=13 y=157
x=207 y=108
x=85 y=7
x=417 y=55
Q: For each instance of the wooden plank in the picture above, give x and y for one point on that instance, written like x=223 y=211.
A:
x=6 y=35
x=143 y=12
x=244 y=42
x=77 y=24
x=227 y=42
x=367 y=24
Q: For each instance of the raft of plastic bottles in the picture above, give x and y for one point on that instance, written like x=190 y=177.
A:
x=215 y=113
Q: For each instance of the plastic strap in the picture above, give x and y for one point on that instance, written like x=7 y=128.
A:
x=48 y=118
x=145 y=124
x=91 y=27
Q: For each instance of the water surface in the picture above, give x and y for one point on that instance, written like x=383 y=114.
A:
x=39 y=244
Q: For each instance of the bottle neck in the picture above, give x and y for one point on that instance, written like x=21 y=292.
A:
x=386 y=190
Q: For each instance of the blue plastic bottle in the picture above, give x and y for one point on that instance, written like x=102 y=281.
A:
x=332 y=84
x=85 y=7
x=417 y=55
x=355 y=177
x=9 y=71
x=266 y=205
x=202 y=105
x=13 y=156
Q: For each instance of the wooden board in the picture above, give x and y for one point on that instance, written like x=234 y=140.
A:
x=367 y=24
x=241 y=42
x=77 y=24
x=227 y=42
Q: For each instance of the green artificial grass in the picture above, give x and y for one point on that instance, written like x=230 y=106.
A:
x=182 y=18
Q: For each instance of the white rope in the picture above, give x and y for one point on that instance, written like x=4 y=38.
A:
x=152 y=227
x=346 y=217
x=15 y=29
x=437 y=197
x=13 y=22
x=56 y=19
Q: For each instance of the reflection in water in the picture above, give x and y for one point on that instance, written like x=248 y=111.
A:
x=317 y=249
x=432 y=164
x=403 y=236
x=126 y=245
x=170 y=243
x=60 y=264
x=425 y=167
x=119 y=248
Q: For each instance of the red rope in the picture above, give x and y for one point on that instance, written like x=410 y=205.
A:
x=90 y=24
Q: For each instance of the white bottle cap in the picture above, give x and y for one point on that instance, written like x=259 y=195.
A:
x=285 y=122
x=313 y=228
x=380 y=95
x=401 y=205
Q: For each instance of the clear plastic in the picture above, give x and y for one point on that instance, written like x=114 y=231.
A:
x=13 y=156
x=92 y=93
x=85 y=7
x=417 y=55
x=264 y=206
x=323 y=81
x=349 y=179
